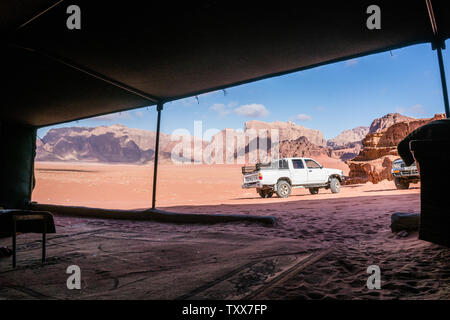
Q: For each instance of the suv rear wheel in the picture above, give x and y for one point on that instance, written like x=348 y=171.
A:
x=265 y=193
x=401 y=183
x=283 y=189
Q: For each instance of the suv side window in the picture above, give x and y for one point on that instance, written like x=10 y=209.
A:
x=311 y=164
x=298 y=164
x=283 y=164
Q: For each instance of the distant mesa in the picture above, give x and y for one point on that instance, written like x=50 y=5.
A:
x=388 y=120
x=289 y=131
x=120 y=144
x=348 y=137
x=108 y=144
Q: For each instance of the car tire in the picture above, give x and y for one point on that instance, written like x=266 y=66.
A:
x=335 y=185
x=401 y=184
x=283 y=189
x=265 y=193
x=314 y=190
x=261 y=193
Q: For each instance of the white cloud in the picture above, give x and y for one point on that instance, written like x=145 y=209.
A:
x=187 y=102
x=303 y=117
x=220 y=108
x=400 y=110
x=252 y=110
x=139 y=114
x=351 y=62
x=232 y=104
x=416 y=109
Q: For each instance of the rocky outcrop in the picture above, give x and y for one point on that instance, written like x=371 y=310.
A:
x=245 y=145
x=302 y=147
x=120 y=144
x=348 y=151
x=370 y=171
x=109 y=144
x=379 y=148
x=347 y=144
x=348 y=137
x=384 y=142
x=381 y=124
x=288 y=131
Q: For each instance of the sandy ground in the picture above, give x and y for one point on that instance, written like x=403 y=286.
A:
x=351 y=227
x=130 y=186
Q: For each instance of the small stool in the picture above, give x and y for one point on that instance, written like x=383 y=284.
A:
x=26 y=218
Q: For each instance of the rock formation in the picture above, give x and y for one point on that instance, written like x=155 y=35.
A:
x=347 y=144
x=347 y=151
x=380 y=124
x=109 y=144
x=379 y=147
x=302 y=147
x=347 y=137
x=120 y=144
x=289 y=131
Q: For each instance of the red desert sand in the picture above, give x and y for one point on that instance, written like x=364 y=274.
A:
x=354 y=223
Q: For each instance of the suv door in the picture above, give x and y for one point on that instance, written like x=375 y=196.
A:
x=315 y=172
x=299 y=175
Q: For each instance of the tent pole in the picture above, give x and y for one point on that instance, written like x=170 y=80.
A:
x=438 y=44
x=443 y=81
x=155 y=164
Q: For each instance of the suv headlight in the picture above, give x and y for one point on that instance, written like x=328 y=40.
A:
x=397 y=165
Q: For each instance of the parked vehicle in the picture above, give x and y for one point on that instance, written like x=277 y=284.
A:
x=404 y=175
x=280 y=176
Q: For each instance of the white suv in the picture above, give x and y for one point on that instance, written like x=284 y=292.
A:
x=280 y=176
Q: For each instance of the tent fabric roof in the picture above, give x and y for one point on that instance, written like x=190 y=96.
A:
x=128 y=55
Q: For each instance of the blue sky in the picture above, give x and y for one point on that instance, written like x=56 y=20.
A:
x=330 y=98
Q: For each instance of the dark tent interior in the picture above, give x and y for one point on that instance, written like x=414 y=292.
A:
x=128 y=55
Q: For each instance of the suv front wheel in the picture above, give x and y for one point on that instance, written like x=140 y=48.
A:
x=401 y=184
x=335 y=185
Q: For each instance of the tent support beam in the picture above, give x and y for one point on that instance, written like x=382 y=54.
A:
x=443 y=81
x=438 y=44
x=155 y=163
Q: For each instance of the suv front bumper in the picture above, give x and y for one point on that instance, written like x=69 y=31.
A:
x=398 y=173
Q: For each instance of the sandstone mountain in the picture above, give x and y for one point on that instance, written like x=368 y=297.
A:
x=348 y=137
x=120 y=144
x=109 y=144
x=244 y=144
x=386 y=121
x=302 y=147
x=288 y=131
x=348 y=144
x=374 y=162
x=347 y=151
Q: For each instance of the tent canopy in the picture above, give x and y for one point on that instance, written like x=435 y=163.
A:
x=127 y=55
